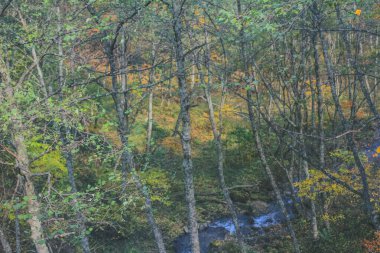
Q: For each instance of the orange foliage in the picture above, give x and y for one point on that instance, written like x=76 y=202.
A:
x=374 y=245
x=94 y=55
x=325 y=88
x=215 y=57
x=200 y=19
x=110 y=17
x=228 y=108
x=238 y=76
x=346 y=104
x=196 y=11
x=141 y=78
x=200 y=127
x=93 y=31
x=361 y=114
x=172 y=143
x=114 y=138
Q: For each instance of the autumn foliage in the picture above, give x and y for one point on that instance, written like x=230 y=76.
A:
x=373 y=246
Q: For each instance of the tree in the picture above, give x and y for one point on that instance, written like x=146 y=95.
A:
x=176 y=9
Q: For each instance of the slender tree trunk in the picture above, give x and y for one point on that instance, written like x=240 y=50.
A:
x=350 y=139
x=192 y=72
x=186 y=129
x=352 y=62
x=66 y=154
x=305 y=166
x=269 y=172
x=33 y=204
x=149 y=210
x=64 y=133
x=289 y=174
x=40 y=75
x=17 y=220
x=22 y=163
x=220 y=168
x=375 y=88
x=218 y=142
x=150 y=104
x=17 y=232
x=366 y=195
x=4 y=242
x=302 y=105
x=150 y=122
x=320 y=116
x=255 y=132
x=120 y=103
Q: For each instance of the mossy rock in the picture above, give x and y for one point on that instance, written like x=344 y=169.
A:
x=258 y=207
x=240 y=196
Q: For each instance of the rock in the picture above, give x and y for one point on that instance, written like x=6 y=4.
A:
x=240 y=196
x=258 y=207
x=206 y=237
x=203 y=225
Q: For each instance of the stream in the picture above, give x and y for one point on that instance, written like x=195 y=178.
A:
x=221 y=229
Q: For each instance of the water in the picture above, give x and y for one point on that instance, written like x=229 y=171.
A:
x=267 y=220
x=228 y=224
x=222 y=228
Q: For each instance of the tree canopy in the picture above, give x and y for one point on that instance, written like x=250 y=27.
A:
x=189 y=126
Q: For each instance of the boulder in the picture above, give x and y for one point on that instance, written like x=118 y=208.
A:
x=258 y=207
x=240 y=196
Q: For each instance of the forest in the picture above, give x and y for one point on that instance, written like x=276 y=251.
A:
x=189 y=126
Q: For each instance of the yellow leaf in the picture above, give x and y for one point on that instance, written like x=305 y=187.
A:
x=196 y=12
x=378 y=150
x=202 y=20
x=358 y=12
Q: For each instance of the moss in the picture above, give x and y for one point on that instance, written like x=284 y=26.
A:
x=224 y=247
x=240 y=196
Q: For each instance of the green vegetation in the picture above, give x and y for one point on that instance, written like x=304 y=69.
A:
x=136 y=126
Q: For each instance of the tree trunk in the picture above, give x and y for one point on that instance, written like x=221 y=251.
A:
x=305 y=166
x=150 y=104
x=302 y=120
x=350 y=139
x=121 y=103
x=33 y=204
x=22 y=163
x=17 y=233
x=257 y=136
x=218 y=142
x=41 y=79
x=352 y=62
x=321 y=133
x=64 y=133
x=186 y=129
x=4 y=242
x=269 y=172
